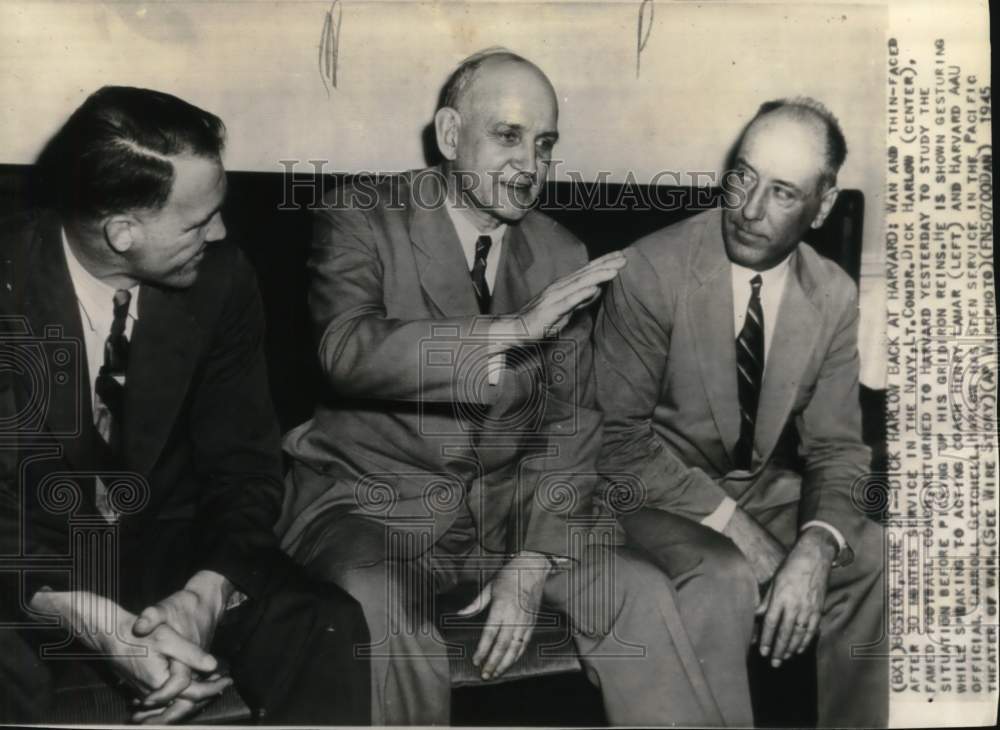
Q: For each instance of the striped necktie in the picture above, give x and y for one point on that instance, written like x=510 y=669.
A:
x=750 y=373
x=483 y=244
x=110 y=384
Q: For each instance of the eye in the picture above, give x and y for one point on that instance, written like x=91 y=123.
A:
x=783 y=195
x=545 y=145
x=509 y=136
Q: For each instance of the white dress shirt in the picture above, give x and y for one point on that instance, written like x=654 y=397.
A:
x=97 y=312
x=772 y=288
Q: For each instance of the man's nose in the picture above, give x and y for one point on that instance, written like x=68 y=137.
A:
x=753 y=209
x=526 y=158
x=216 y=229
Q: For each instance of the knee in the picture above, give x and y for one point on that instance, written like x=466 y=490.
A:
x=338 y=612
x=724 y=577
x=869 y=554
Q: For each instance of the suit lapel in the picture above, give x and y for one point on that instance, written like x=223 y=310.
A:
x=444 y=274
x=795 y=334
x=54 y=315
x=161 y=361
x=710 y=317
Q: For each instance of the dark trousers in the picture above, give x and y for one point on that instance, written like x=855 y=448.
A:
x=290 y=653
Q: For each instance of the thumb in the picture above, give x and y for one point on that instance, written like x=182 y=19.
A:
x=148 y=620
x=480 y=602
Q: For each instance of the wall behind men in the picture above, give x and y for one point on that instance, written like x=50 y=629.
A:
x=267 y=69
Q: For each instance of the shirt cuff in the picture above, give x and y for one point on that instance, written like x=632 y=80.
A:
x=721 y=516
x=837 y=535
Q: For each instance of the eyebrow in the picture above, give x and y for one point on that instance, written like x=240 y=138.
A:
x=514 y=126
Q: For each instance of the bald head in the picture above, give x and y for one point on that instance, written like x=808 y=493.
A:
x=813 y=117
x=491 y=65
x=496 y=128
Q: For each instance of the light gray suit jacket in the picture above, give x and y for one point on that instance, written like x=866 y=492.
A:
x=666 y=370
x=411 y=432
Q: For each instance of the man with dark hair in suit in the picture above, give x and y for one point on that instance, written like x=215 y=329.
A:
x=724 y=338
x=141 y=482
x=458 y=440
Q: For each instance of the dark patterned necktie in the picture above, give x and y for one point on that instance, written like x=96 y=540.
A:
x=750 y=373
x=110 y=385
x=483 y=244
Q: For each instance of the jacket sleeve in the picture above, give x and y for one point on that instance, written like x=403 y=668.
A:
x=829 y=428
x=632 y=342
x=366 y=354
x=236 y=443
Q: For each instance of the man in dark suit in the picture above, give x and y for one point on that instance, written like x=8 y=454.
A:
x=141 y=472
x=458 y=441
x=723 y=338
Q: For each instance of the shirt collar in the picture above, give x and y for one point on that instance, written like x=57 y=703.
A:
x=467 y=231
x=771 y=280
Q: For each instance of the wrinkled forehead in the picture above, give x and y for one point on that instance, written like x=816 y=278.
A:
x=786 y=147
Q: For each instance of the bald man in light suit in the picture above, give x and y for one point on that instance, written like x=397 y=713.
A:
x=418 y=475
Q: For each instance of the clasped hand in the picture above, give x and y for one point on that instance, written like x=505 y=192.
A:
x=162 y=653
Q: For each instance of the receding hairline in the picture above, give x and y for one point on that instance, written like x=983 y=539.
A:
x=464 y=78
x=807 y=119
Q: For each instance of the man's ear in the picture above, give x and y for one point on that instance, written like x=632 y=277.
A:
x=122 y=232
x=447 y=123
x=825 y=205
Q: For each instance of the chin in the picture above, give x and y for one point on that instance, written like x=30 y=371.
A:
x=180 y=279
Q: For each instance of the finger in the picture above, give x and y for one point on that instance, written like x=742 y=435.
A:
x=177 y=712
x=785 y=629
x=479 y=602
x=615 y=260
x=206 y=690
x=486 y=639
x=771 y=619
x=177 y=682
x=173 y=645
x=798 y=632
x=148 y=620
x=603 y=268
x=504 y=640
x=513 y=653
x=809 y=633
x=143 y=715
x=574 y=299
x=613 y=257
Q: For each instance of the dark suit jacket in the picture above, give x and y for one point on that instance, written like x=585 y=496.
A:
x=411 y=432
x=203 y=487
x=666 y=370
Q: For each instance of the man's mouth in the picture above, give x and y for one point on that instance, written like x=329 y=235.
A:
x=748 y=235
